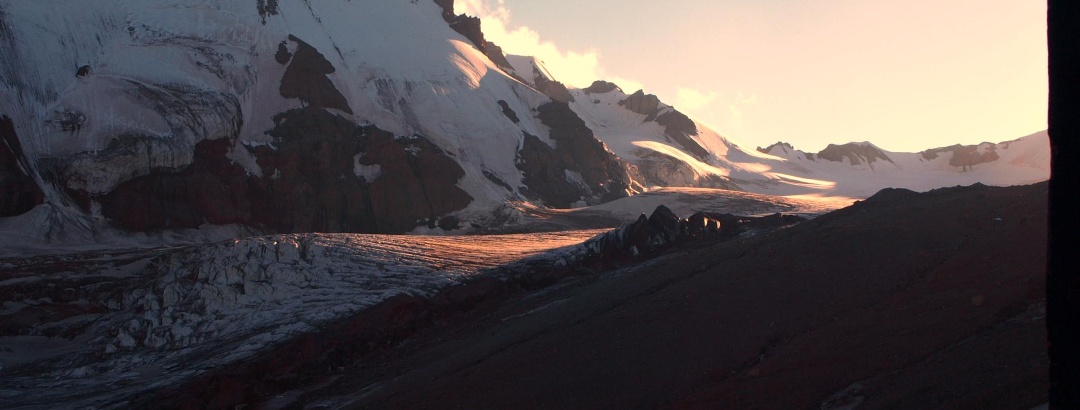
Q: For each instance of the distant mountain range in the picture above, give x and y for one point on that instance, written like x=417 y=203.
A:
x=361 y=116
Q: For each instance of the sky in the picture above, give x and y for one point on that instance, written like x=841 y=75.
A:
x=904 y=75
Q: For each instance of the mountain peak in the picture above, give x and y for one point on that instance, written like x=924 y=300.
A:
x=601 y=87
x=856 y=153
x=780 y=146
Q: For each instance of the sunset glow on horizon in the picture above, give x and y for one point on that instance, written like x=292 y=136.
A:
x=906 y=76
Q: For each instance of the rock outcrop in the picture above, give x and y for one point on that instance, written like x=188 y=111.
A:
x=306 y=78
x=664 y=231
x=641 y=103
x=601 y=87
x=965 y=157
x=467 y=26
x=578 y=168
x=856 y=153
x=325 y=175
x=680 y=128
x=551 y=88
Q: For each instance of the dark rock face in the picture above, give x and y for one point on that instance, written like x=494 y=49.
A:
x=18 y=190
x=266 y=8
x=700 y=226
x=551 y=88
x=467 y=26
x=545 y=175
x=448 y=9
x=641 y=103
x=964 y=157
x=664 y=220
x=497 y=56
x=305 y=78
x=679 y=128
x=509 y=113
x=853 y=152
x=282 y=56
x=316 y=180
x=601 y=87
x=603 y=177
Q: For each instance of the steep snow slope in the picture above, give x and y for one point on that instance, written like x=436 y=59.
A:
x=115 y=101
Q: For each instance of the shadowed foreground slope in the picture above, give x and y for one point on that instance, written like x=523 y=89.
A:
x=903 y=300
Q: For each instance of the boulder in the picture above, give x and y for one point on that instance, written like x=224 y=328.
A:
x=667 y=223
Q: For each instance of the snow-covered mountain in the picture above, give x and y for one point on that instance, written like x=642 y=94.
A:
x=335 y=115
x=360 y=116
x=671 y=149
x=860 y=167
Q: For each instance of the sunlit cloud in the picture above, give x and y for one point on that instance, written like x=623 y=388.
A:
x=721 y=112
x=576 y=68
x=693 y=99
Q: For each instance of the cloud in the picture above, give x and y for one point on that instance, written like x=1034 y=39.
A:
x=693 y=99
x=576 y=68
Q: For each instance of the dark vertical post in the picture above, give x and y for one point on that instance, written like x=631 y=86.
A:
x=1063 y=262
